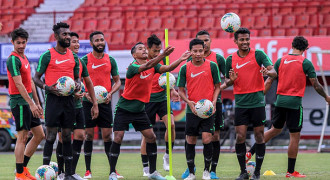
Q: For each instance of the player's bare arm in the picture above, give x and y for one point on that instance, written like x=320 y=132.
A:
x=36 y=99
x=268 y=84
x=168 y=68
x=191 y=104
x=232 y=77
x=42 y=85
x=269 y=71
x=319 y=89
x=175 y=95
x=153 y=62
x=114 y=88
x=91 y=97
x=215 y=95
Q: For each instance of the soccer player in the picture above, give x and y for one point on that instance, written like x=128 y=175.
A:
x=218 y=120
x=245 y=72
x=59 y=110
x=131 y=105
x=157 y=105
x=292 y=70
x=79 y=126
x=101 y=67
x=202 y=80
x=25 y=110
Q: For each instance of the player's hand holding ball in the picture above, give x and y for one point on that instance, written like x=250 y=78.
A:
x=192 y=104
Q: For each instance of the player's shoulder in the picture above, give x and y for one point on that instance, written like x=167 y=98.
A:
x=84 y=57
x=229 y=57
x=111 y=58
x=259 y=52
x=307 y=62
x=11 y=58
x=213 y=63
x=45 y=54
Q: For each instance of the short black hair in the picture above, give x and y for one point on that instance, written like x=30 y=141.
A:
x=59 y=25
x=74 y=34
x=202 y=32
x=241 y=30
x=94 y=33
x=195 y=42
x=153 y=39
x=19 y=32
x=300 y=43
x=134 y=47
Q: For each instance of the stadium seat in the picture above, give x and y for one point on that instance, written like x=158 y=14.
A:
x=32 y=3
x=172 y=35
x=103 y=12
x=300 y=8
x=215 y=1
x=160 y=34
x=274 y=8
x=138 y=2
x=84 y=36
x=180 y=11
x=155 y=24
x=223 y=35
x=326 y=21
x=306 y=32
x=143 y=36
x=321 y=32
x=279 y=32
x=233 y=8
x=142 y=24
x=277 y=21
x=289 y=21
x=130 y=24
x=246 y=10
x=114 y=2
x=77 y=25
x=129 y=11
x=302 y=21
x=103 y=25
x=325 y=9
x=184 y=35
x=285 y=8
x=206 y=23
x=20 y=3
x=21 y=14
x=7 y=15
x=131 y=37
x=315 y=20
x=8 y=26
x=167 y=11
x=176 y=2
x=219 y=10
x=206 y=10
x=90 y=12
x=312 y=7
x=154 y=11
x=78 y=13
x=151 y=2
x=100 y=3
x=181 y=23
x=7 y=4
x=164 y=2
x=90 y=25
x=117 y=38
x=116 y=25
x=213 y=33
x=192 y=12
x=115 y=12
x=168 y=23
x=107 y=37
x=190 y=2
x=192 y=23
x=141 y=11
x=89 y=3
x=265 y=33
x=126 y=2
x=261 y=22
x=260 y=9
x=247 y=21
x=292 y=32
x=52 y=38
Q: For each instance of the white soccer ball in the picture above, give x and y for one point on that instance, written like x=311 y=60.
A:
x=65 y=85
x=45 y=172
x=100 y=94
x=162 y=80
x=54 y=165
x=250 y=167
x=230 y=22
x=204 y=108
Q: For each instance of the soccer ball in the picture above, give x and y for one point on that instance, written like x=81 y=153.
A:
x=65 y=85
x=250 y=167
x=101 y=94
x=204 y=108
x=55 y=167
x=45 y=172
x=162 y=80
x=230 y=22
x=83 y=89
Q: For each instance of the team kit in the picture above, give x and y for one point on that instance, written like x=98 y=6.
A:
x=199 y=82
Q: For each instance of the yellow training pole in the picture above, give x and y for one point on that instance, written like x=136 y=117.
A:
x=169 y=131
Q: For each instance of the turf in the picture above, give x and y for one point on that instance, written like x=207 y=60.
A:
x=315 y=166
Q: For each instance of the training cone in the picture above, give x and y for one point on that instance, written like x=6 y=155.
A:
x=269 y=173
x=170 y=177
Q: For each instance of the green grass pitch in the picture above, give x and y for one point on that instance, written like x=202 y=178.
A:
x=315 y=166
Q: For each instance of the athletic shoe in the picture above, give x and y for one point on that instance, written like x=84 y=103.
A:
x=88 y=174
x=186 y=173
x=27 y=173
x=248 y=156
x=119 y=176
x=70 y=178
x=206 y=175
x=146 y=171
x=77 y=177
x=255 y=177
x=113 y=176
x=295 y=174
x=21 y=176
x=243 y=176
x=61 y=176
x=213 y=175
x=191 y=176
x=166 y=164
x=156 y=176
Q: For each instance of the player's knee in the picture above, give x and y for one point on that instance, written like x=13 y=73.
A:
x=40 y=136
x=259 y=137
x=66 y=137
x=51 y=136
x=240 y=138
x=107 y=138
x=118 y=139
x=22 y=139
x=80 y=137
x=89 y=137
x=215 y=137
x=151 y=138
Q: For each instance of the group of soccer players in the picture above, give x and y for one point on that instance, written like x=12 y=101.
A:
x=199 y=78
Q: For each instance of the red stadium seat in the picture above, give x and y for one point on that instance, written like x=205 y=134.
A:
x=261 y=22
x=131 y=37
x=90 y=12
x=154 y=11
x=126 y=2
x=21 y=14
x=84 y=36
x=167 y=11
x=246 y=10
x=206 y=10
x=78 y=13
x=129 y=11
x=260 y=9
x=100 y=3
x=103 y=24
x=130 y=24
x=117 y=38
x=181 y=23
x=326 y=21
x=172 y=35
x=206 y=23
x=279 y=32
x=213 y=34
x=160 y=34
x=233 y=8
x=7 y=4
x=77 y=25
x=176 y=2
x=142 y=24
x=52 y=38
x=115 y=12
x=300 y=8
x=32 y=3
x=8 y=26
x=7 y=14
x=168 y=23
x=254 y=32
x=192 y=12
x=265 y=33
x=184 y=35
x=165 y=2
x=116 y=25
x=151 y=2
x=141 y=11
x=312 y=7
x=223 y=35
x=325 y=9
x=321 y=32
x=138 y=2
x=315 y=20
x=89 y=3
x=192 y=23
x=155 y=24
x=20 y=3
x=286 y=8
x=306 y=32
x=248 y=21
x=103 y=12
x=180 y=11
x=219 y=10
x=289 y=21
x=143 y=36
x=275 y=8
x=292 y=32
x=113 y=2
x=302 y=21
x=277 y=21
x=90 y=25
x=190 y=2
x=107 y=37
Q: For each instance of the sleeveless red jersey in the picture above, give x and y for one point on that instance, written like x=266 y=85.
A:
x=199 y=81
x=139 y=86
x=291 y=76
x=59 y=65
x=249 y=78
x=212 y=57
x=99 y=70
x=155 y=85
x=25 y=71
